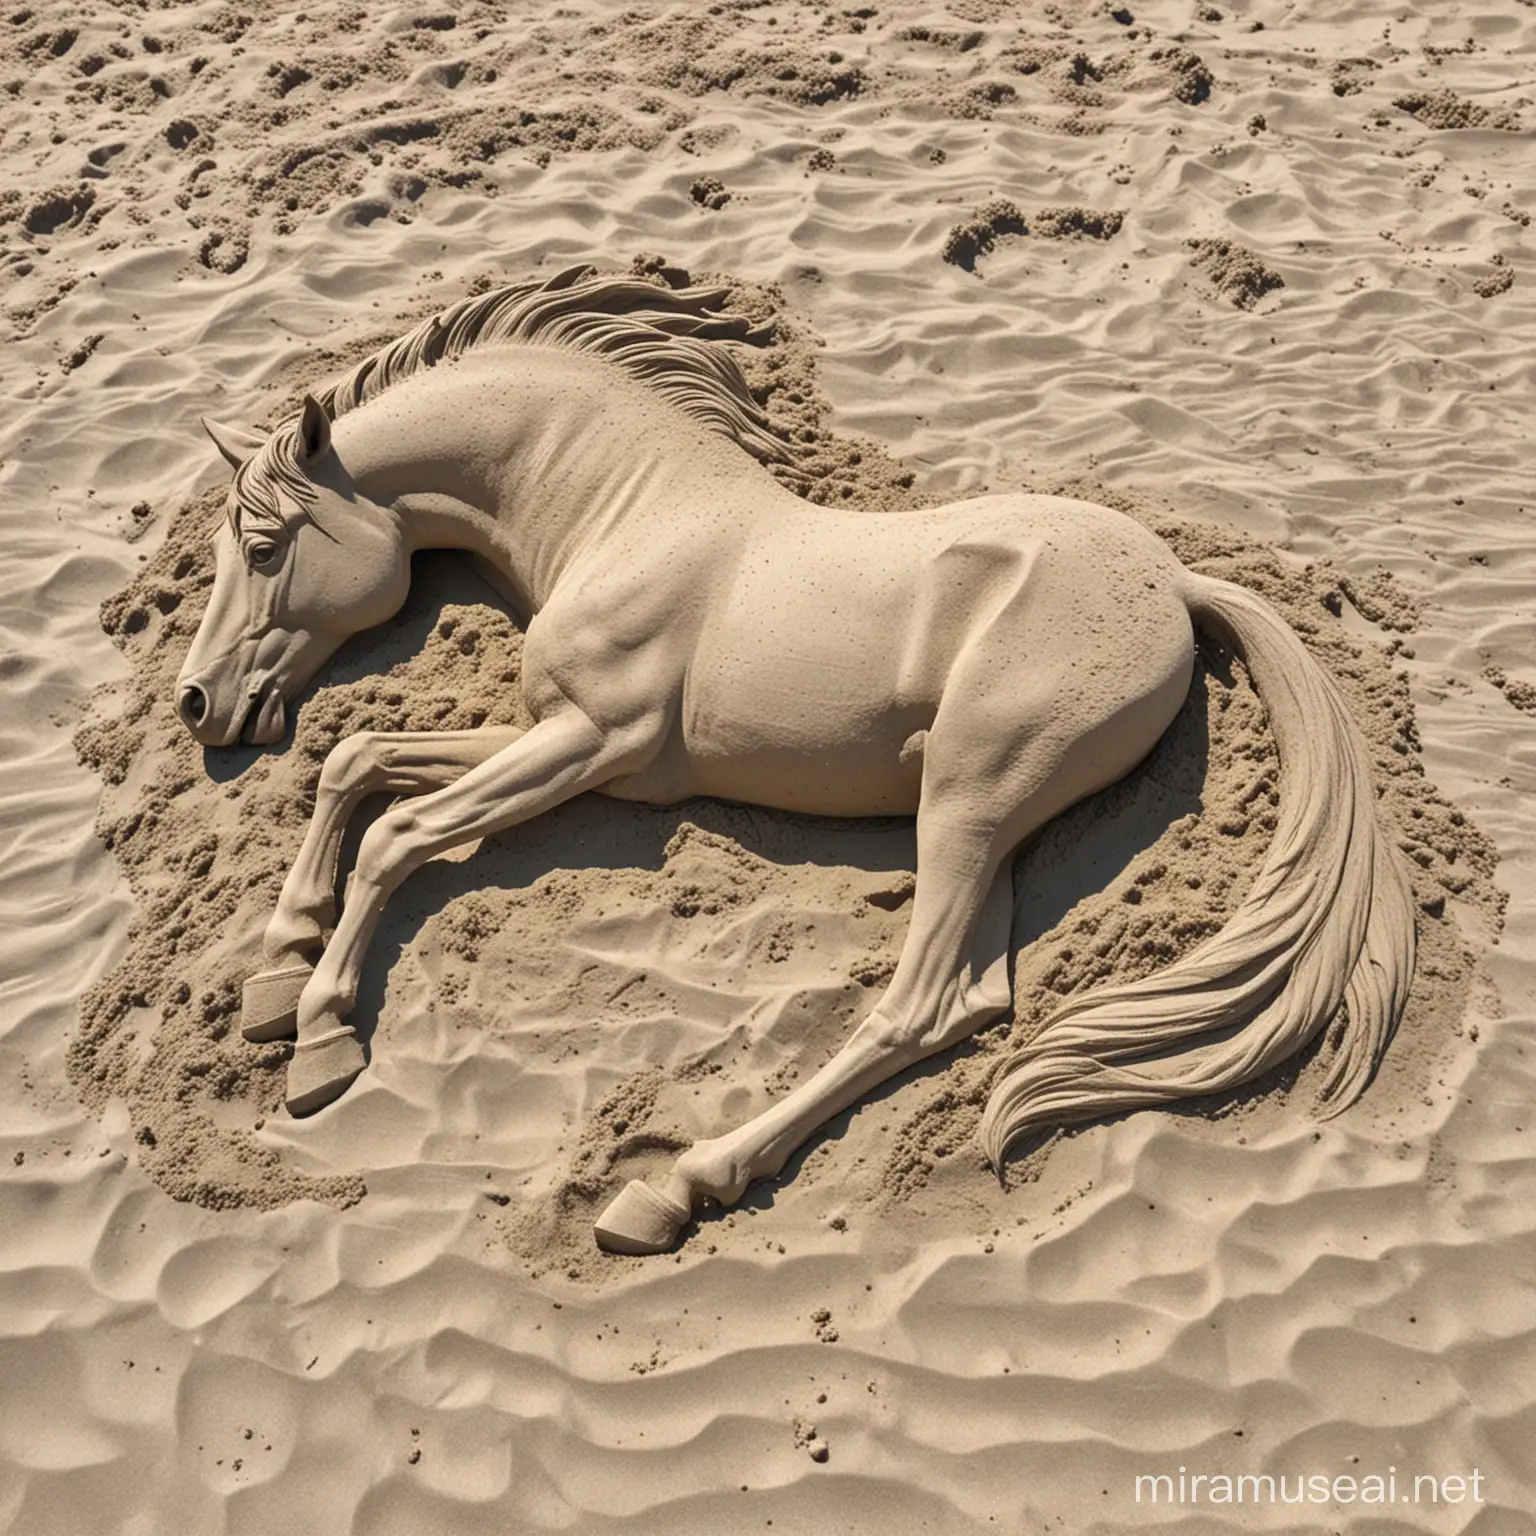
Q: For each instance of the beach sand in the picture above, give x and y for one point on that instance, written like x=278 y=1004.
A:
x=1257 y=275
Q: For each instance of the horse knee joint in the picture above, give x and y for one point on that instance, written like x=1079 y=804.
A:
x=890 y=1036
x=399 y=827
x=348 y=762
x=388 y=843
x=910 y=1039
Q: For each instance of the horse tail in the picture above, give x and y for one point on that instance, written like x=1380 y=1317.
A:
x=1330 y=919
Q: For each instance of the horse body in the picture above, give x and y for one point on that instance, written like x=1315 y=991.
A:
x=840 y=637
x=696 y=629
x=795 y=651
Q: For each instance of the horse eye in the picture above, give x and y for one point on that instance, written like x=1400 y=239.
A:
x=262 y=554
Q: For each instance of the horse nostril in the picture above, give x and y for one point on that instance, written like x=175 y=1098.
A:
x=192 y=704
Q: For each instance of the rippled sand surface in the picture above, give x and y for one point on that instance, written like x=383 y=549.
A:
x=206 y=206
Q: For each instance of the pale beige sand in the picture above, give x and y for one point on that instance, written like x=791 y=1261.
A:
x=1245 y=1293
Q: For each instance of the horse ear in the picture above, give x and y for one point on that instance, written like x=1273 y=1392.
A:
x=314 y=431
x=235 y=443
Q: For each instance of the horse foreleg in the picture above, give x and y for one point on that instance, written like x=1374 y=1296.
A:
x=951 y=979
x=368 y=763
x=560 y=757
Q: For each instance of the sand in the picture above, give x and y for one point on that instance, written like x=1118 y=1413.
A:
x=391 y=1317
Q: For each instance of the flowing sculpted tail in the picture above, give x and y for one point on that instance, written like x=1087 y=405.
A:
x=1330 y=919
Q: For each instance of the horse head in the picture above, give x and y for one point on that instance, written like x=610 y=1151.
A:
x=303 y=562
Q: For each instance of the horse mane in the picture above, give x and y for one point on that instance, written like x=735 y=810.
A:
x=659 y=335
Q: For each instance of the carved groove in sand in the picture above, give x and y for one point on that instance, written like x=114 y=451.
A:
x=693 y=628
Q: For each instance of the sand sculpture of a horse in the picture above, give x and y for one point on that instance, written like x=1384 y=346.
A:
x=695 y=628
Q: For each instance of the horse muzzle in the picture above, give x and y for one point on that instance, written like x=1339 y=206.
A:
x=259 y=715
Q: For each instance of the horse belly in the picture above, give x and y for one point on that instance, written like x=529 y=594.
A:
x=805 y=710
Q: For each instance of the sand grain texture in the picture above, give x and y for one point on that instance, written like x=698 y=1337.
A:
x=390 y=1318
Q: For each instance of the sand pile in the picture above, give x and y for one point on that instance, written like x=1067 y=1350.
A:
x=538 y=968
x=1234 y=272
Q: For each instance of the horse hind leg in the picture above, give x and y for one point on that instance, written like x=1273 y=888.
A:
x=952 y=978
x=1001 y=760
x=367 y=763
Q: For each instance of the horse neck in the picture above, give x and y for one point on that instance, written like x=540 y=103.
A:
x=523 y=456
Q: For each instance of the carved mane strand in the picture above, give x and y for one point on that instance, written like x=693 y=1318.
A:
x=661 y=336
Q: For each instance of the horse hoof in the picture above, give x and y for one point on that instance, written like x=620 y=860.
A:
x=323 y=1069
x=640 y=1219
x=269 y=1002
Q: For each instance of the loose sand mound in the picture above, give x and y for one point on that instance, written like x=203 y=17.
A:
x=709 y=955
